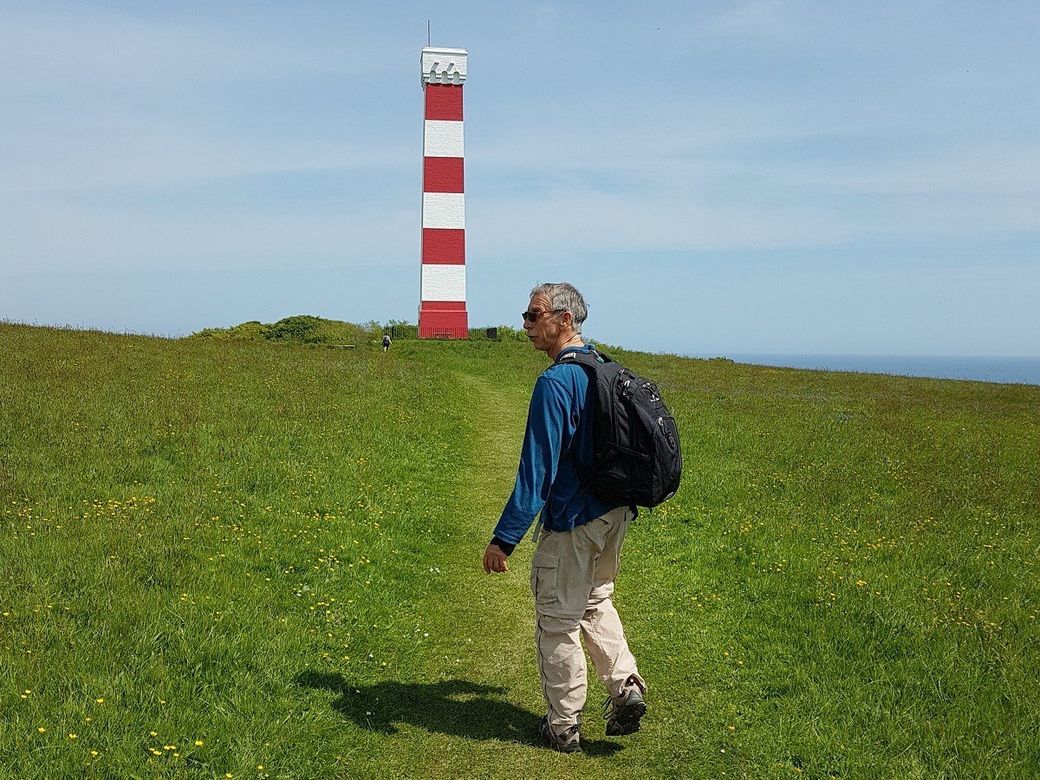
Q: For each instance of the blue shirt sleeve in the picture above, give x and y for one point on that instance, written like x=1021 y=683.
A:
x=550 y=427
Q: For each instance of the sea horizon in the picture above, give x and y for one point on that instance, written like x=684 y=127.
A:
x=974 y=368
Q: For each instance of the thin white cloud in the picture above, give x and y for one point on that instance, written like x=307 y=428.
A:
x=545 y=16
x=130 y=152
x=110 y=240
x=595 y=222
x=43 y=48
x=776 y=20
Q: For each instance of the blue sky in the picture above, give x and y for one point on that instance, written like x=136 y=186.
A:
x=720 y=178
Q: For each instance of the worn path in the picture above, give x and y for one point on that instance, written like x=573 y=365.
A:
x=492 y=614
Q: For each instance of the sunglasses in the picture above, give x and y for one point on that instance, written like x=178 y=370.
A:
x=531 y=316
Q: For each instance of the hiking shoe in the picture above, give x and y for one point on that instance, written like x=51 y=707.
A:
x=624 y=712
x=567 y=741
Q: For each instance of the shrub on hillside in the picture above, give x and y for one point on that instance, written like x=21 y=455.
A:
x=246 y=331
x=298 y=329
x=306 y=329
x=301 y=328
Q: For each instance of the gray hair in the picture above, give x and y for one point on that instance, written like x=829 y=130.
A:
x=566 y=297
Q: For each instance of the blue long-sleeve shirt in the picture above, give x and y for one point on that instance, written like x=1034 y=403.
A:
x=558 y=435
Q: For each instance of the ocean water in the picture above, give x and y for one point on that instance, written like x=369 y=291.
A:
x=1020 y=370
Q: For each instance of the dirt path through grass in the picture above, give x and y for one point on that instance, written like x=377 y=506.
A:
x=488 y=619
x=480 y=681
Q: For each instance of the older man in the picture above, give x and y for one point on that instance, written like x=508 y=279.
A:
x=578 y=538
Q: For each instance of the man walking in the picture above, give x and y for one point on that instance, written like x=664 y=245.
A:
x=578 y=538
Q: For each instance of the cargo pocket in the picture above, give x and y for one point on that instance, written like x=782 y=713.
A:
x=545 y=579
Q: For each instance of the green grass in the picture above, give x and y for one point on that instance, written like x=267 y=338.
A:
x=222 y=554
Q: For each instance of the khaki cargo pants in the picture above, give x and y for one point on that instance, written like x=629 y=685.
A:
x=572 y=578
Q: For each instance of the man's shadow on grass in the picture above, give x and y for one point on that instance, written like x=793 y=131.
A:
x=459 y=708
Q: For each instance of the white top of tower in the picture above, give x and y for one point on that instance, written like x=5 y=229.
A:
x=443 y=66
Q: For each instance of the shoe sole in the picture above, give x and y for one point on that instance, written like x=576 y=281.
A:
x=569 y=750
x=627 y=721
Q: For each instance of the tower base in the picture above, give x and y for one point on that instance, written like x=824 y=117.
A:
x=443 y=320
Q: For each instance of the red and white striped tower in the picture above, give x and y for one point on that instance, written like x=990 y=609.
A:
x=442 y=311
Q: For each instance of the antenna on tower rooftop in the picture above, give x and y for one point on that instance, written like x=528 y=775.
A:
x=428 y=43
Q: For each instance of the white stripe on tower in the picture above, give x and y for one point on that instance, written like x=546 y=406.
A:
x=443 y=282
x=442 y=307
x=442 y=139
x=444 y=211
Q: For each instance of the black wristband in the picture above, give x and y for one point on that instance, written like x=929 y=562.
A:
x=507 y=548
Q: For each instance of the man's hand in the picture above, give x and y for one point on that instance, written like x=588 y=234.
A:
x=495 y=559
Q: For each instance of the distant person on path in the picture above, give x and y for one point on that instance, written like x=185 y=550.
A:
x=386 y=342
x=578 y=537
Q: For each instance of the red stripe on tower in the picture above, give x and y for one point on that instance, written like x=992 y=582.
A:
x=448 y=305
x=442 y=174
x=443 y=246
x=442 y=297
x=444 y=101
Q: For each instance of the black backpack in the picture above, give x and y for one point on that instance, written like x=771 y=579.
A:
x=637 y=460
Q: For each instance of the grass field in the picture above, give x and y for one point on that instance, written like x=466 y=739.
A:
x=249 y=560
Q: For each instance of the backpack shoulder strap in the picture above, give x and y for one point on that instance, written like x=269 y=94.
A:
x=592 y=359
